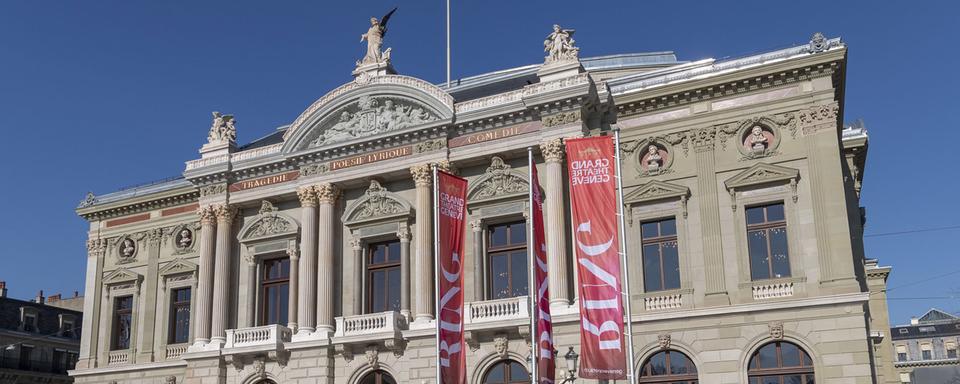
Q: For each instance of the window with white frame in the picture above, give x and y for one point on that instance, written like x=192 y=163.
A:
x=767 y=242
x=901 y=353
x=926 y=351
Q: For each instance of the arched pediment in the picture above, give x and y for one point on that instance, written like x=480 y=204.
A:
x=376 y=204
x=366 y=108
x=270 y=223
x=498 y=182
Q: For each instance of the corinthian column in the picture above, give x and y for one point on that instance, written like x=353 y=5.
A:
x=208 y=229
x=404 y=235
x=222 y=279
x=422 y=177
x=478 y=272
x=358 y=263
x=294 y=293
x=307 y=298
x=327 y=195
x=555 y=222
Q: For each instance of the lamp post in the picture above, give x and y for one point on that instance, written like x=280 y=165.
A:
x=571 y=373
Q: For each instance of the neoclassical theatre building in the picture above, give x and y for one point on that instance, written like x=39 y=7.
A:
x=306 y=256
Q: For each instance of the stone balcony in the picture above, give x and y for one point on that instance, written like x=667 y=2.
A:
x=369 y=327
x=116 y=358
x=174 y=351
x=496 y=313
x=255 y=339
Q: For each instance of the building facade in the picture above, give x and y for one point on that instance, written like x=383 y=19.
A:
x=928 y=341
x=306 y=256
x=39 y=342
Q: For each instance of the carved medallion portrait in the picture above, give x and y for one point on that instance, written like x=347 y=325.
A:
x=127 y=250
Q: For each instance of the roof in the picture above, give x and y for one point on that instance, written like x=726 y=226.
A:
x=934 y=323
x=935 y=315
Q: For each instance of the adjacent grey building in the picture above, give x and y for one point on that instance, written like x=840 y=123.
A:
x=306 y=256
x=39 y=342
x=928 y=341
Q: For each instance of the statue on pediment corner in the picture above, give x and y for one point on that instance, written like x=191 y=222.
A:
x=559 y=45
x=223 y=129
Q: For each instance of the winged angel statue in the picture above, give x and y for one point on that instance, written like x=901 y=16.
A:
x=374 y=38
x=559 y=45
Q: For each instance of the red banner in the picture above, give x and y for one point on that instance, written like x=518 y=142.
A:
x=452 y=196
x=546 y=361
x=593 y=192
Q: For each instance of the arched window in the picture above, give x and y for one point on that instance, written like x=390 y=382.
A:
x=668 y=367
x=378 y=377
x=780 y=362
x=507 y=372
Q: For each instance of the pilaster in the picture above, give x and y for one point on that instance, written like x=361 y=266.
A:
x=293 y=304
x=703 y=141
x=90 y=332
x=404 y=235
x=478 y=256
x=149 y=314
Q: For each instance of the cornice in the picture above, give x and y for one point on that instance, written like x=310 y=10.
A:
x=140 y=204
x=735 y=82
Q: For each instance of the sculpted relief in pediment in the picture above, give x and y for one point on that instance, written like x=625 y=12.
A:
x=371 y=115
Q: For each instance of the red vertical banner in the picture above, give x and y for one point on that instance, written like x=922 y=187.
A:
x=546 y=360
x=593 y=191
x=452 y=197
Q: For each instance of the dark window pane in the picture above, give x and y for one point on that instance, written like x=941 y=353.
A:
x=779 y=252
x=284 y=303
x=518 y=234
x=775 y=212
x=678 y=363
x=755 y=215
x=770 y=380
x=393 y=251
x=671 y=265
x=793 y=379
x=518 y=372
x=378 y=287
x=757 y=245
x=648 y=230
x=789 y=355
x=518 y=273
x=768 y=356
x=651 y=268
x=393 y=289
x=500 y=276
x=496 y=374
x=498 y=236
x=658 y=364
x=668 y=227
x=806 y=360
x=378 y=254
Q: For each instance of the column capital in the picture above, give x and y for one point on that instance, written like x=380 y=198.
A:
x=293 y=251
x=476 y=225
x=96 y=247
x=552 y=150
x=356 y=243
x=445 y=165
x=224 y=213
x=422 y=175
x=207 y=215
x=307 y=195
x=403 y=234
x=327 y=193
x=703 y=139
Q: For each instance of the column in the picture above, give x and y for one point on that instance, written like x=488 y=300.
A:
x=358 y=264
x=96 y=248
x=307 y=298
x=703 y=141
x=327 y=195
x=422 y=177
x=208 y=229
x=478 y=255
x=148 y=319
x=294 y=291
x=556 y=222
x=222 y=281
x=249 y=319
x=404 y=235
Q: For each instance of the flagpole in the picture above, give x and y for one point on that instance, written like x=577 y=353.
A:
x=623 y=260
x=448 y=45
x=436 y=266
x=533 y=289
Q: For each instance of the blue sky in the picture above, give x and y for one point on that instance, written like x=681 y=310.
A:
x=98 y=95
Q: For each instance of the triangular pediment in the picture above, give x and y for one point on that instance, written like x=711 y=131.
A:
x=369 y=109
x=376 y=204
x=121 y=275
x=269 y=223
x=498 y=182
x=178 y=266
x=762 y=173
x=656 y=190
x=936 y=315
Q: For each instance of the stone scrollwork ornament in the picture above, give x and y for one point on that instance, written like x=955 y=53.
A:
x=374 y=115
x=269 y=223
x=498 y=180
x=559 y=46
x=89 y=200
x=377 y=203
x=222 y=130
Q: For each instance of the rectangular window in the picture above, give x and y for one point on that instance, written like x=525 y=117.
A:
x=767 y=242
x=30 y=322
x=26 y=357
x=927 y=355
x=122 y=322
x=179 y=316
x=383 y=277
x=901 y=356
x=507 y=253
x=66 y=329
x=952 y=353
x=661 y=261
x=275 y=284
x=72 y=358
x=59 y=363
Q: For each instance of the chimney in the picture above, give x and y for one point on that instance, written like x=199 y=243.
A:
x=914 y=321
x=76 y=294
x=3 y=289
x=53 y=298
x=39 y=299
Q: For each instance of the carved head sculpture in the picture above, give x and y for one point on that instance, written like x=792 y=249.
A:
x=259 y=368
x=170 y=380
x=374 y=21
x=186 y=238
x=345 y=116
x=372 y=356
x=500 y=345
x=776 y=330
x=388 y=104
x=663 y=340
x=556 y=27
x=128 y=248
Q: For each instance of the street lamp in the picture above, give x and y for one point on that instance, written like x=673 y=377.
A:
x=571 y=374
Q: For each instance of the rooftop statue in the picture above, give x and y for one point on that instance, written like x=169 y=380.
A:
x=222 y=130
x=374 y=38
x=559 y=45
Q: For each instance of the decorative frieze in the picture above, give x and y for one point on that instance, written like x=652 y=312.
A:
x=489 y=101
x=819 y=117
x=494 y=134
x=430 y=145
x=557 y=119
x=213 y=190
x=314 y=169
x=388 y=154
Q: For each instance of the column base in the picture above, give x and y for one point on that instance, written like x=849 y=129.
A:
x=423 y=323
x=293 y=327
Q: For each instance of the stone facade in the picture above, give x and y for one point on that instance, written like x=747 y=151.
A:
x=702 y=144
